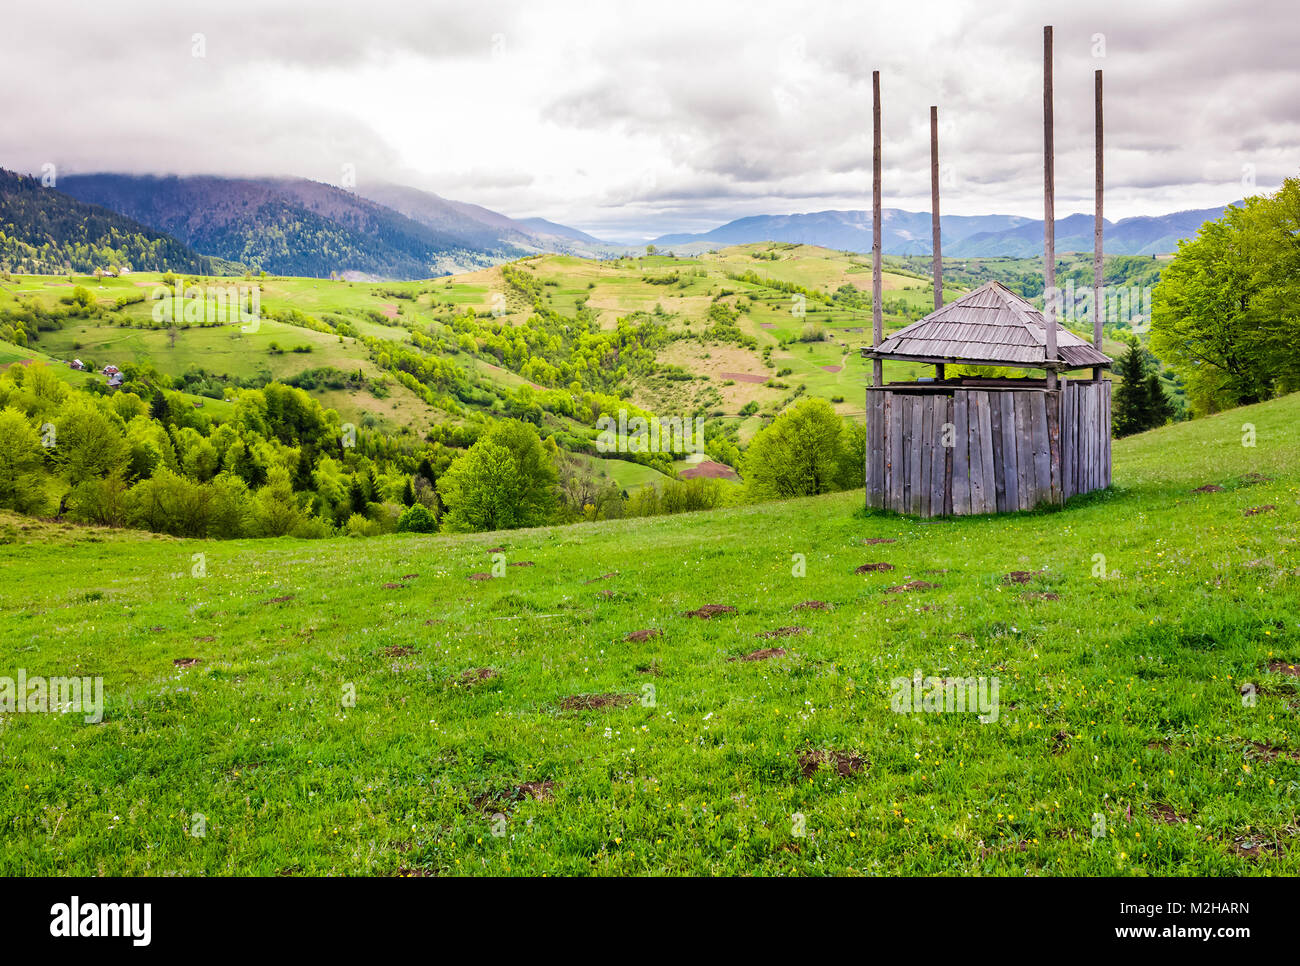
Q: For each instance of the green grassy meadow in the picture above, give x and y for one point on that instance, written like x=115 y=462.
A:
x=365 y=707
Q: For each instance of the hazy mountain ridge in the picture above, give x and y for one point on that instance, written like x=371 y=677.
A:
x=908 y=233
x=294 y=226
x=484 y=227
x=283 y=226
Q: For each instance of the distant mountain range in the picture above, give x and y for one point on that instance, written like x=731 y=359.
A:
x=483 y=228
x=963 y=236
x=292 y=226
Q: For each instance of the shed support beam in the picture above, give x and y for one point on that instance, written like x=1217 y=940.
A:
x=1049 y=212
x=877 y=323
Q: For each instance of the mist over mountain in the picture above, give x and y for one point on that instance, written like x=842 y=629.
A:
x=481 y=227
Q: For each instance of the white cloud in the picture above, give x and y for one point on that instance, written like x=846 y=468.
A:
x=633 y=121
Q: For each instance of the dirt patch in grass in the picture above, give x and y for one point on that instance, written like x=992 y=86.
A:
x=480 y=576
x=496 y=550
x=651 y=668
x=1255 y=847
x=812 y=605
x=399 y=650
x=1156 y=744
x=794 y=631
x=1021 y=576
x=521 y=563
x=709 y=611
x=595 y=702
x=434 y=620
x=872 y=568
x=1060 y=742
x=187 y=661
x=279 y=600
x=831 y=368
x=744 y=377
x=1040 y=595
x=1209 y=488
x=1167 y=814
x=1262 y=751
x=537 y=791
x=709 y=469
x=476 y=674
x=1252 y=479
x=872 y=541
x=761 y=655
x=409 y=576
x=1284 y=667
x=845 y=763
x=1255 y=511
x=640 y=637
x=392 y=586
x=910 y=586
x=601 y=577
x=206 y=639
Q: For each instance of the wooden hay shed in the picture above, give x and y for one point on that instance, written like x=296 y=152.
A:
x=962 y=446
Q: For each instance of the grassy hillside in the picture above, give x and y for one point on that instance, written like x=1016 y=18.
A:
x=784 y=342
x=228 y=695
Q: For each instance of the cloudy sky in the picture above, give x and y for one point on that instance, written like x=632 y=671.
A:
x=631 y=120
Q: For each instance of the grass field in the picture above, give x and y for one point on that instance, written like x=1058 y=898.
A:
x=365 y=707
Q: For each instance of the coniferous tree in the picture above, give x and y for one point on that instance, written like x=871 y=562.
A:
x=1159 y=409
x=1131 y=392
x=1140 y=401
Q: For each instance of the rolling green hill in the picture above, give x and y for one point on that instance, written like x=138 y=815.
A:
x=353 y=707
x=734 y=336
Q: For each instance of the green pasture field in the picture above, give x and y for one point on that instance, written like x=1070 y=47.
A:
x=366 y=707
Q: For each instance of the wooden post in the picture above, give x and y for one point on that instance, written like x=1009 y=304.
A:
x=877 y=324
x=1098 y=290
x=937 y=245
x=1049 y=213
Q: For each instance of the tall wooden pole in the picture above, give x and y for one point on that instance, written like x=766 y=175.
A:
x=877 y=324
x=1049 y=212
x=936 y=246
x=1098 y=290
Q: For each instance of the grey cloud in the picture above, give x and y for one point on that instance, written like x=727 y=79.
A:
x=733 y=108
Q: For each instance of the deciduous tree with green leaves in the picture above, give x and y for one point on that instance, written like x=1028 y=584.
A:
x=1226 y=313
x=806 y=450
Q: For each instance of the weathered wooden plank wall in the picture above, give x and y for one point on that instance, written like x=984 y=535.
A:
x=984 y=450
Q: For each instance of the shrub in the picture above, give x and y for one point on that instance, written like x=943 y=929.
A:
x=416 y=518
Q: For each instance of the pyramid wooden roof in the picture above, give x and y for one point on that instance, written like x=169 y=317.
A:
x=990 y=326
